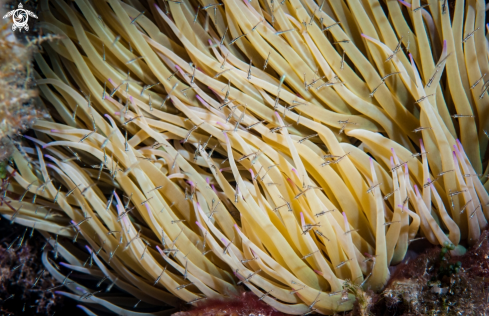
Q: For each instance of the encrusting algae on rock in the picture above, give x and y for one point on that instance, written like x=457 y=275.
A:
x=17 y=108
x=436 y=282
x=294 y=148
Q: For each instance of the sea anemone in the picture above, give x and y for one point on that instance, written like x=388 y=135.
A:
x=293 y=149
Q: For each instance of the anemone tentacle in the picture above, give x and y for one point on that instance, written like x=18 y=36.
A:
x=289 y=148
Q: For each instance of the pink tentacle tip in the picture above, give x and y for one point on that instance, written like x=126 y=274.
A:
x=200 y=99
x=296 y=172
x=132 y=99
x=252 y=173
x=416 y=189
x=55 y=131
x=392 y=161
x=117 y=113
x=405 y=3
x=371 y=160
x=319 y=272
x=207 y=180
x=178 y=68
x=199 y=224
x=147 y=207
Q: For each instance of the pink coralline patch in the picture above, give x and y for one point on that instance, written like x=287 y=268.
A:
x=246 y=304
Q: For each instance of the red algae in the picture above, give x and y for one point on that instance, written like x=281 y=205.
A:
x=24 y=283
x=246 y=304
x=436 y=283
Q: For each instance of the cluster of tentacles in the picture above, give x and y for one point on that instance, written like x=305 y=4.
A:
x=196 y=147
